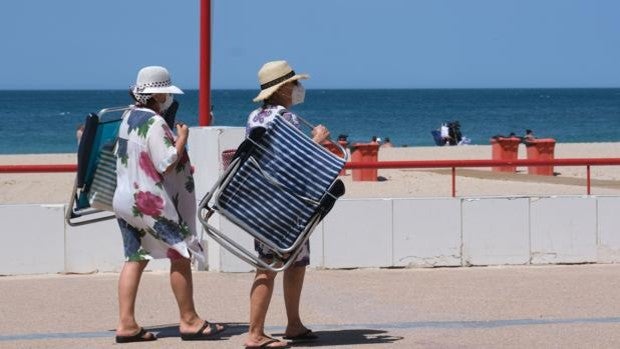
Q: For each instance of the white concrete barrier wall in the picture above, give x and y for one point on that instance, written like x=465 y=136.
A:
x=33 y=239
x=563 y=230
x=495 y=231
x=608 y=228
x=426 y=232
x=415 y=232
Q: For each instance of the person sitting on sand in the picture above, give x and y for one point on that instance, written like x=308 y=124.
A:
x=387 y=143
x=529 y=137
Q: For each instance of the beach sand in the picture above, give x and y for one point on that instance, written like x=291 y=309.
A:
x=54 y=188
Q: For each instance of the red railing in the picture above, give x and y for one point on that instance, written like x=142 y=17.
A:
x=453 y=164
x=37 y=168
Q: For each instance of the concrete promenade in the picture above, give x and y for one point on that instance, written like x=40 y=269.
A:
x=559 y=306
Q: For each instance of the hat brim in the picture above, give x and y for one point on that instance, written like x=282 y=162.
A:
x=264 y=94
x=167 y=89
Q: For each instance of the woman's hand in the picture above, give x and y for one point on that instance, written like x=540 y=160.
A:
x=320 y=133
x=182 y=131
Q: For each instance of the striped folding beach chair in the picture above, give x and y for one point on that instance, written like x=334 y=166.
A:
x=278 y=187
x=95 y=182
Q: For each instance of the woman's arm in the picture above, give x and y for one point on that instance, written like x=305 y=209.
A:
x=182 y=135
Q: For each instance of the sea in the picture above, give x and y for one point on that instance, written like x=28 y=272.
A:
x=41 y=122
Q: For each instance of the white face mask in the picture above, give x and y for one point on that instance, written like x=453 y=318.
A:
x=166 y=104
x=298 y=94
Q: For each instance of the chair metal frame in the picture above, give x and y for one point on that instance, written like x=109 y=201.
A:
x=283 y=257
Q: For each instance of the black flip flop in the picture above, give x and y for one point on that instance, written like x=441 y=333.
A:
x=200 y=335
x=307 y=336
x=265 y=344
x=138 y=337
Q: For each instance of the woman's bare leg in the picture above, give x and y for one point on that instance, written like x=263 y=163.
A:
x=128 y=283
x=293 y=283
x=183 y=289
x=260 y=297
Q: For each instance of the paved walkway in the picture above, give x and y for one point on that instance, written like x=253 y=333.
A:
x=572 y=306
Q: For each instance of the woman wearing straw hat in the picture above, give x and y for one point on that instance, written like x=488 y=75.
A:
x=280 y=89
x=155 y=205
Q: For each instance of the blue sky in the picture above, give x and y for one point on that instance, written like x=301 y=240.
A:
x=73 y=44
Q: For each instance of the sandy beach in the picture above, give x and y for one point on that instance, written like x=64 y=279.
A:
x=53 y=188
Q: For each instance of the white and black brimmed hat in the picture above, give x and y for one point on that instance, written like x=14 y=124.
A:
x=274 y=74
x=155 y=79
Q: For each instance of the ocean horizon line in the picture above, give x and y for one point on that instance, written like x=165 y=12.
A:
x=405 y=116
x=328 y=89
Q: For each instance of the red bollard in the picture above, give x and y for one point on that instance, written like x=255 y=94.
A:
x=335 y=150
x=503 y=148
x=365 y=152
x=540 y=149
x=227 y=156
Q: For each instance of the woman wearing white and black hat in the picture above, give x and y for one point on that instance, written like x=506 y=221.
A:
x=155 y=205
x=280 y=89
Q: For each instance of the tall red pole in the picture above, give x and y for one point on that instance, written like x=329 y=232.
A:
x=204 y=98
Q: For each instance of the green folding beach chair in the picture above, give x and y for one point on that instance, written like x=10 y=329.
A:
x=95 y=182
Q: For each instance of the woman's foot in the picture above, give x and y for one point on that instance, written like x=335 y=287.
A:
x=305 y=335
x=264 y=342
x=200 y=329
x=141 y=335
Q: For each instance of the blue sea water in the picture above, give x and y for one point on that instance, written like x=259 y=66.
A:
x=45 y=121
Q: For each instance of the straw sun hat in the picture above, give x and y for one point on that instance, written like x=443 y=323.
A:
x=274 y=74
x=155 y=79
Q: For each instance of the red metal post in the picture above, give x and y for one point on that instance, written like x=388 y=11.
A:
x=204 y=98
x=453 y=181
x=588 y=177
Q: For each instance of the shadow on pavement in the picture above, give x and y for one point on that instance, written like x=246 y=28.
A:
x=326 y=338
x=232 y=329
x=348 y=337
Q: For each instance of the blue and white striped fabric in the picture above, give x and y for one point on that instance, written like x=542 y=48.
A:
x=305 y=171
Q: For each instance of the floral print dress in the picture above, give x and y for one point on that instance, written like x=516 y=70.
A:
x=156 y=210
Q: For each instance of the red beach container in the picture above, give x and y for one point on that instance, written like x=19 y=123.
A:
x=365 y=152
x=541 y=149
x=505 y=148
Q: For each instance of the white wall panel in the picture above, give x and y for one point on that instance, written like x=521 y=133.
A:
x=427 y=232
x=608 y=217
x=32 y=239
x=563 y=230
x=316 y=247
x=205 y=146
x=358 y=233
x=495 y=231
x=94 y=247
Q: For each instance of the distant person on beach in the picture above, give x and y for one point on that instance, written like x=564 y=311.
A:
x=280 y=89
x=387 y=143
x=529 y=136
x=374 y=140
x=78 y=133
x=444 y=131
x=155 y=205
